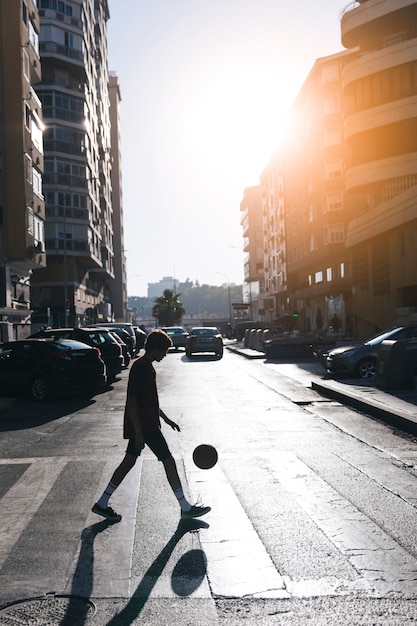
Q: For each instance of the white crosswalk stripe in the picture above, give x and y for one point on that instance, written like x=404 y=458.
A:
x=20 y=503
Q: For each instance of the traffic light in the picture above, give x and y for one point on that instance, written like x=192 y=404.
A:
x=295 y=314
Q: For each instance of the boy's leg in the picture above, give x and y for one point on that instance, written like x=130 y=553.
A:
x=102 y=507
x=157 y=443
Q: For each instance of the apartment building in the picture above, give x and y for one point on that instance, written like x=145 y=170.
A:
x=314 y=202
x=339 y=196
x=22 y=208
x=74 y=287
x=252 y=229
x=118 y=287
x=274 y=292
x=380 y=128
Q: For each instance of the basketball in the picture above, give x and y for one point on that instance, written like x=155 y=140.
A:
x=205 y=456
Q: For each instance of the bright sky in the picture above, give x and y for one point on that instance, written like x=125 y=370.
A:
x=206 y=86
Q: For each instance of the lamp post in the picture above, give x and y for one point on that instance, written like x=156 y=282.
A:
x=228 y=290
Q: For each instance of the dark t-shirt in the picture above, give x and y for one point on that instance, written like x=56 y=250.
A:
x=142 y=385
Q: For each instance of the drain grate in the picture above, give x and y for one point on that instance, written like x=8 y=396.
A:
x=49 y=610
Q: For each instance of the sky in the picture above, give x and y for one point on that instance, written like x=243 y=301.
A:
x=206 y=88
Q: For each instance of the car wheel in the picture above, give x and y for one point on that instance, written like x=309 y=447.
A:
x=187 y=353
x=366 y=368
x=219 y=355
x=40 y=388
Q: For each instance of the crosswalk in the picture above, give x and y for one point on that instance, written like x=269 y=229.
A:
x=52 y=542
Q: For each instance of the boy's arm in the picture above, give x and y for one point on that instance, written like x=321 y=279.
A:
x=166 y=419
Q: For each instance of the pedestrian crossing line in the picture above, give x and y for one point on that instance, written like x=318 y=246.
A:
x=102 y=565
x=238 y=564
x=378 y=558
x=390 y=476
x=24 y=498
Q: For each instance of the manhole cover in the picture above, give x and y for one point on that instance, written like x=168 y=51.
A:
x=48 y=611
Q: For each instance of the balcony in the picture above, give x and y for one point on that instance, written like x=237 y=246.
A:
x=58 y=51
x=369 y=23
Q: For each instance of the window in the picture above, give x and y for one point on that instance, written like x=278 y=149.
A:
x=37 y=182
x=27 y=116
x=334 y=234
x=39 y=234
x=333 y=201
x=312 y=242
x=28 y=168
x=329 y=274
x=69 y=40
x=26 y=70
x=333 y=169
x=24 y=13
x=318 y=277
x=34 y=38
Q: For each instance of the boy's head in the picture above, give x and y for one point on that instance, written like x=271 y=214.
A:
x=157 y=340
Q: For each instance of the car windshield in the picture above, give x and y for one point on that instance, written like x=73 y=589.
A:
x=399 y=333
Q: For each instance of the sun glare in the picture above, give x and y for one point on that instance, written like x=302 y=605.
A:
x=235 y=122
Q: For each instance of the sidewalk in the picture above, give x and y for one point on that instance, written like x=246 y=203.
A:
x=397 y=407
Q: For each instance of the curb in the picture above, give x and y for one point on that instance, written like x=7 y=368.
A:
x=402 y=414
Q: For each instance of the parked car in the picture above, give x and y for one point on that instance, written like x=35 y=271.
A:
x=110 y=349
x=140 y=338
x=128 y=349
x=42 y=367
x=178 y=336
x=125 y=326
x=204 y=339
x=359 y=360
x=123 y=346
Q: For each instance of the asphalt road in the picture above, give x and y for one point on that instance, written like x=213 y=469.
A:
x=313 y=507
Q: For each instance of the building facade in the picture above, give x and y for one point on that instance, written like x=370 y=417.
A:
x=118 y=286
x=252 y=228
x=22 y=208
x=340 y=195
x=380 y=129
x=74 y=287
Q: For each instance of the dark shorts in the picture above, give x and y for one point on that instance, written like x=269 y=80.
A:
x=156 y=442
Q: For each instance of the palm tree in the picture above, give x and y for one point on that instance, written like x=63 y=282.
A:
x=170 y=308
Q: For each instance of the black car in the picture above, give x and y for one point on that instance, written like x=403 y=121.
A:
x=178 y=336
x=204 y=339
x=43 y=367
x=140 y=338
x=110 y=350
x=125 y=337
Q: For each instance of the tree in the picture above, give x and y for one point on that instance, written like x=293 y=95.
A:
x=170 y=308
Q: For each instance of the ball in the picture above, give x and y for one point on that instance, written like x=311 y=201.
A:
x=205 y=456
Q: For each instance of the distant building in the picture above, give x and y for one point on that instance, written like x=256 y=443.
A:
x=22 y=208
x=157 y=289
